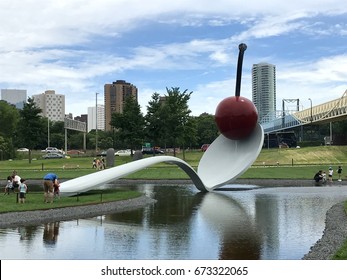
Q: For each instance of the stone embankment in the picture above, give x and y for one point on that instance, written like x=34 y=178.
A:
x=334 y=235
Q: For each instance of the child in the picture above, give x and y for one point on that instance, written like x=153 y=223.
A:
x=22 y=190
x=324 y=177
x=56 y=191
x=330 y=174
x=9 y=186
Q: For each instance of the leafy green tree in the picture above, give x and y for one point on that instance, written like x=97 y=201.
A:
x=129 y=125
x=207 y=130
x=175 y=116
x=105 y=139
x=30 y=127
x=154 y=121
x=9 y=117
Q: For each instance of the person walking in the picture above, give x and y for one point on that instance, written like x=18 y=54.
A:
x=339 y=173
x=49 y=180
x=23 y=189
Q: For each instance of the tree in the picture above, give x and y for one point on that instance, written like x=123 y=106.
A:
x=30 y=127
x=129 y=124
x=154 y=121
x=176 y=115
x=207 y=130
x=9 y=118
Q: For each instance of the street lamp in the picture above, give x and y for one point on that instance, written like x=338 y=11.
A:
x=48 y=140
x=311 y=109
x=96 y=122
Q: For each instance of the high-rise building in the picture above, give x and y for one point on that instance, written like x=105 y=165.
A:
x=51 y=104
x=264 y=89
x=115 y=95
x=94 y=119
x=16 y=97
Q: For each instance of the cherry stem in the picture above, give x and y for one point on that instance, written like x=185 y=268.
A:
x=242 y=48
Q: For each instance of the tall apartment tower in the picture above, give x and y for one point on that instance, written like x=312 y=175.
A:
x=98 y=119
x=115 y=95
x=51 y=104
x=264 y=89
x=16 y=97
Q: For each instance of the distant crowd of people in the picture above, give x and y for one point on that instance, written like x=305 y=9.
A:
x=320 y=177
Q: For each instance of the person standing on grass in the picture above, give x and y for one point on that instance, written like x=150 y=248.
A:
x=49 y=180
x=339 y=172
x=330 y=174
x=56 y=190
x=23 y=189
x=9 y=185
x=15 y=179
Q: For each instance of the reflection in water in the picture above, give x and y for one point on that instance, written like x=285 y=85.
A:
x=27 y=233
x=272 y=223
x=50 y=233
x=230 y=221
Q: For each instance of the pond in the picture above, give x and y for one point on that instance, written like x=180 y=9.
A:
x=277 y=223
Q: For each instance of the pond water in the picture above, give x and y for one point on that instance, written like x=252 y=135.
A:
x=251 y=223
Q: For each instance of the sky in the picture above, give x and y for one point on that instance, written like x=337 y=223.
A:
x=75 y=47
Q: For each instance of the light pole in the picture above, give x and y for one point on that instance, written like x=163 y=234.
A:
x=311 y=109
x=48 y=140
x=96 y=122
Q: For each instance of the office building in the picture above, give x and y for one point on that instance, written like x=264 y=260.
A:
x=51 y=104
x=16 y=97
x=114 y=95
x=264 y=89
x=94 y=119
x=82 y=118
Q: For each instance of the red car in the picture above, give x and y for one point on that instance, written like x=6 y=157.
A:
x=204 y=147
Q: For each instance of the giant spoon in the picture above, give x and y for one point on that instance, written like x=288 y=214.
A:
x=230 y=155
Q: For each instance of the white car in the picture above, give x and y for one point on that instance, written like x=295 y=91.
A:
x=23 y=150
x=121 y=153
x=52 y=150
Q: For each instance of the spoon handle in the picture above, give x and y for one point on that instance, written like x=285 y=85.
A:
x=242 y=48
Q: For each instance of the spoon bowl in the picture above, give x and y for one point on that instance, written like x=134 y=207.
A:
x=227 y=159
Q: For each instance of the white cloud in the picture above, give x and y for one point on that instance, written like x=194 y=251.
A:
x=65 y=45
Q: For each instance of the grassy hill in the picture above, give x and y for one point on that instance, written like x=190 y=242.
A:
x=325 y=155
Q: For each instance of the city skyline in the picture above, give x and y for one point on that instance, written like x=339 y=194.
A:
x=76 y=47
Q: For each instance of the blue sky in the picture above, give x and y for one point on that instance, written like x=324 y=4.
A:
x=76 y=46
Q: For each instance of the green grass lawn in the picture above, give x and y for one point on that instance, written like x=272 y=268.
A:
x=34 y=200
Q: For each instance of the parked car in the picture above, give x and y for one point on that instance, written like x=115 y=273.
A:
x=102 y=154
x=151 y=151
x=74 y=152
x=52 y=150
x=121 y=153
x=204 y=147
x=52 y=155
x=23 y=150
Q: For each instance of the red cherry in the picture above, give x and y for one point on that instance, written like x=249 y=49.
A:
x=236 y=117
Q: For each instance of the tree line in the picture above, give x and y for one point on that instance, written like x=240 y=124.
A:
x=168 y=123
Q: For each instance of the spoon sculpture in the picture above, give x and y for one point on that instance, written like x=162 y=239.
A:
x=230 y=154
